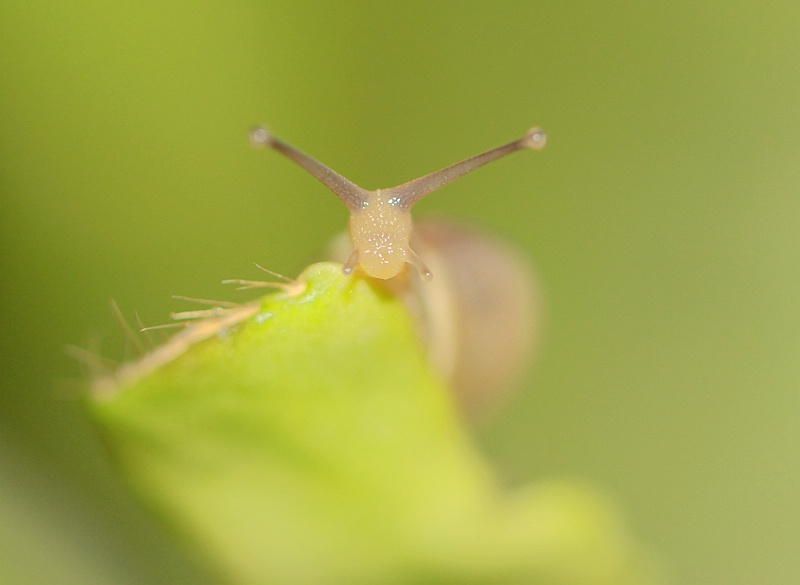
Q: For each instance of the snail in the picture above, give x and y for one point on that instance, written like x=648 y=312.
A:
x=476 y=316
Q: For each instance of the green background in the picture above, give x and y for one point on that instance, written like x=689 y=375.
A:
x=663 y=218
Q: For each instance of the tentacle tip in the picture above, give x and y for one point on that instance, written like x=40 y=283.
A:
x=535 y=139
x=424 y=272
x=350 y=265
x=260 y=137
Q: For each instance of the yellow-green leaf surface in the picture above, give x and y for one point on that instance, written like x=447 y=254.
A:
x=303 y=438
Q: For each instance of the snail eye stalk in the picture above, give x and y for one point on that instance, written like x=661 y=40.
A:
x=380 y=220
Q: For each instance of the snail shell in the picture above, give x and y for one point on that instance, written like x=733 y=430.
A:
x=478 y=314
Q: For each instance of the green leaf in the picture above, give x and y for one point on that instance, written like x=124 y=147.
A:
x=303 y=438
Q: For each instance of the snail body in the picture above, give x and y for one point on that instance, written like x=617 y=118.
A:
x=380 y=220
x=476 y=316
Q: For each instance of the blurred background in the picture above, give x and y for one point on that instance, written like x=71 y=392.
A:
x=663 y=219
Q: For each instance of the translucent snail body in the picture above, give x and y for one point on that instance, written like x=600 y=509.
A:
x=380 y=221
x=478 y=316
x=380 y=232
